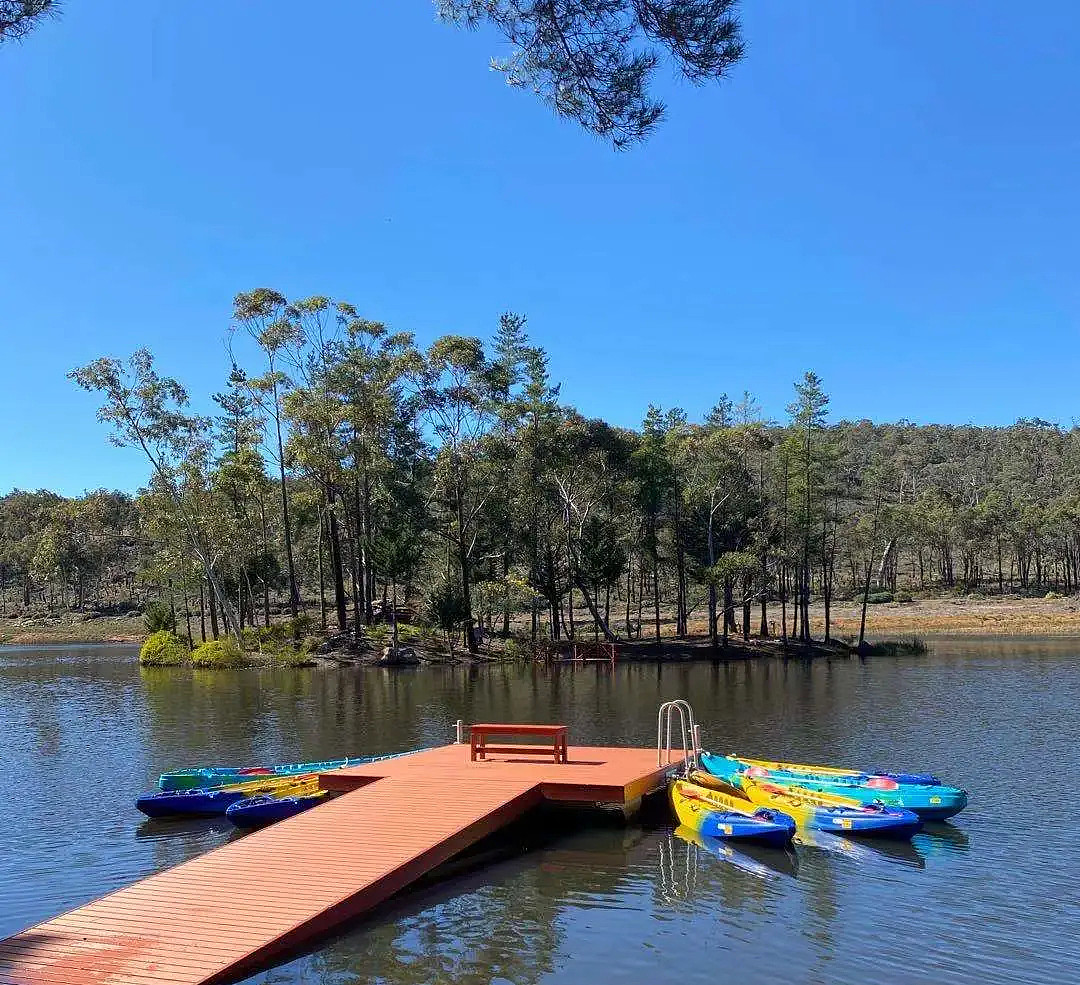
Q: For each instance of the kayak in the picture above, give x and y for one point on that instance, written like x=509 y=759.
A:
x=839 y=773
x=821 y=811
x=731 y=816
x=931 y=802
x=211 y=801
x=268 y=808
x=215 y=776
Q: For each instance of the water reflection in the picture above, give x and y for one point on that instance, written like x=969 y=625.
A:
x=755 y=860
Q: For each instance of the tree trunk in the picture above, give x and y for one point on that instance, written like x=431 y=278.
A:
x=322 y=575
x=337 y=567
x=213 y=614
x=294 y=595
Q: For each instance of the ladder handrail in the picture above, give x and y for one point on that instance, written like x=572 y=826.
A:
x=687 y=726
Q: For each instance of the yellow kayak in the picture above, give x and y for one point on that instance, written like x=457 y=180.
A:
x=821 y=811
x=729 y=815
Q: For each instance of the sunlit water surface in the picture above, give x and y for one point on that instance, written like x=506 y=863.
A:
x=993 y=897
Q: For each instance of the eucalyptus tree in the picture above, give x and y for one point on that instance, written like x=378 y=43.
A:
x=376 y=380
x=147 y=411
x=589 y=455
x=457 y=408
x=317 y=439
x=717 y=487
x=264 y=314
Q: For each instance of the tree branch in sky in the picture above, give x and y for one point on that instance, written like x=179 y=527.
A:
x=19 y=17
x=593 y=61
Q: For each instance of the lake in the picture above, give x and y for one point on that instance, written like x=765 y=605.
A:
x=991 y=897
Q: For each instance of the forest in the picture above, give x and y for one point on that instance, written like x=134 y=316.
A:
x=351 y=479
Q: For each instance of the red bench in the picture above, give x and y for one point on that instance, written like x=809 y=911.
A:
x=478 y=744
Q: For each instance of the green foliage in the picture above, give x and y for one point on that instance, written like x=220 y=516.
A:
x=157 y=616
x=593 y=61
x=221 y=654
x=163 y=649
x=879 y=598
x=377 y=634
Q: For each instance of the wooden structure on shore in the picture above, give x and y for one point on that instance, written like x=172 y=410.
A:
x=253 y=901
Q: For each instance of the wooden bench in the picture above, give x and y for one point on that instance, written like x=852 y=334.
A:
x=478 y=745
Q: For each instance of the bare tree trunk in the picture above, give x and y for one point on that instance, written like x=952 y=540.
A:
x=213 y=615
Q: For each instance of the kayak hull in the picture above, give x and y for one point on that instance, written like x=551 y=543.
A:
x=188 y=803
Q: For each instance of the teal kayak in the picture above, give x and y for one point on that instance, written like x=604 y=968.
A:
x=931 y=802
x=202 y=777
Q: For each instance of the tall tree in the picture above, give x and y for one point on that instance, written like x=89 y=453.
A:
x=264 y=314
x=808 y=414
x=146 y=411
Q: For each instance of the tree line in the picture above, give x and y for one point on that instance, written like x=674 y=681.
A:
x=352 y=476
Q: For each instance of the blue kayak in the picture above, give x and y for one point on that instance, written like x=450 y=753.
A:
x=253 y=812
x=189 y=803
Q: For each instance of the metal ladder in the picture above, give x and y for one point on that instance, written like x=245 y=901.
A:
x=691 y=734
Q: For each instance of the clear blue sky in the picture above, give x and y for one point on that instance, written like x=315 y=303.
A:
x=884 y=192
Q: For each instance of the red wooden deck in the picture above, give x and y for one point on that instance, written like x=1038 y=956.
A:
x=235 y=909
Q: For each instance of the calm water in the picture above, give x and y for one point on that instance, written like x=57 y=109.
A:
x=991 y=898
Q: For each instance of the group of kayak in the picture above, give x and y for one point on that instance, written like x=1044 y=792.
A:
x=248 y=796
x=762 y=801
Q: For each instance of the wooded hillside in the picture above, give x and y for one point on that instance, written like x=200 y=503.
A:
x=348 y=469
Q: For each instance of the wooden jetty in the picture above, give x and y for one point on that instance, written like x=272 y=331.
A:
x=240 y=907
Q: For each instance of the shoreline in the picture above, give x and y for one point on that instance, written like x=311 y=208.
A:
x=928 y=618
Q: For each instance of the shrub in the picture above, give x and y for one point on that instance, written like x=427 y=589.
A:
x=158 y=616
x=512 y=649
x=378 y=634
x=163 y=649
x=878 y=598
x=913 y=646
x=289 y=657
x=219 y=654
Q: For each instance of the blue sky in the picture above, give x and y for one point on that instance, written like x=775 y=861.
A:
x=885 y=193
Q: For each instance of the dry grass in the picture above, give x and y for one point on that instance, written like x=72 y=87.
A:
x=963 y=616
x=73 y=628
